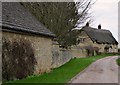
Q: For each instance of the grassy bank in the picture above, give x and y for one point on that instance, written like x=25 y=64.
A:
x=64 y=73
x=118 y=61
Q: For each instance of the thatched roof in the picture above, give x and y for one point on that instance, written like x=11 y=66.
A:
x=16 y=18
x=100 y=35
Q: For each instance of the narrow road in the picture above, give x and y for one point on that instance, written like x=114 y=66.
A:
x=102 y=71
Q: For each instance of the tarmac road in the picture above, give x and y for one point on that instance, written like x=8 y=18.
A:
x=104 y=70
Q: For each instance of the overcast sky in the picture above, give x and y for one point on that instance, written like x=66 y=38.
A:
x=105 y=12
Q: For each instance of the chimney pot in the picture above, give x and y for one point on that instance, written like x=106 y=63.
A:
x=99 y=26
x=87 y=24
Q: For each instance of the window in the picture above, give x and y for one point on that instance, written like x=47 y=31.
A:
x=81 y=40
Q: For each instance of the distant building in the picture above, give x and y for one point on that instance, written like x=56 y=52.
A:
x=98 y=39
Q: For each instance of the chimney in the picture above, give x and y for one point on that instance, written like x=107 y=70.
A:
x=87 y=24
x=99 y=26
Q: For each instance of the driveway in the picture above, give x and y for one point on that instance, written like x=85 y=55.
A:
x=104 y=70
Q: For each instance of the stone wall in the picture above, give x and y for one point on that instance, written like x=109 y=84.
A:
x=78 y=52
x=41 y=46
x=62 y=56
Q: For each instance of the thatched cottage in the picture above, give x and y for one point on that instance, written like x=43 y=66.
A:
x=24 y=38
x=99 y=39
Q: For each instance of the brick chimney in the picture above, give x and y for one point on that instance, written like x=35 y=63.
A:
x=99 y=26
x=87 y=24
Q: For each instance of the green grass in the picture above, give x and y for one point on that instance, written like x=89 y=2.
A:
x=64 y=73
x=118 y=61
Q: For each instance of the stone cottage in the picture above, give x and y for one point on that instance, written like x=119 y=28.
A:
x=97 y=39
x=19 y=24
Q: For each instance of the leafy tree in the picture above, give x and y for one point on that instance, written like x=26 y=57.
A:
x=61 y=17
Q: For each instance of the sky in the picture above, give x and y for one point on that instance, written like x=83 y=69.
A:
x=105 y=12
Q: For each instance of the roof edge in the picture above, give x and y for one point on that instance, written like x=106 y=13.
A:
x=7 y=28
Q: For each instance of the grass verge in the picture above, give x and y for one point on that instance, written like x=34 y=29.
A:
x=118 y=61
x=64 y=73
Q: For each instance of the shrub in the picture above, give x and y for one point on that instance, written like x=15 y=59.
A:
x=118 y=61
x=90 y=50
x=119 y=51
x=96 y=49
x=18 y=60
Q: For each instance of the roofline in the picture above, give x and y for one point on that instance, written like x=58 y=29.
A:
x=88 y=35
x=98 y=42
x=7 y=28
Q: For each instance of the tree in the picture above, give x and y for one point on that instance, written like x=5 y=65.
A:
x=61 y=17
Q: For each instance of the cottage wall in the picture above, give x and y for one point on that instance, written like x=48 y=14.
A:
x=114 y=48
x=87 y=41
x=41 y=46
x=100 y=46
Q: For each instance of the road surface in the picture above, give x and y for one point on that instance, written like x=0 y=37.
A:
x=102 y=71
